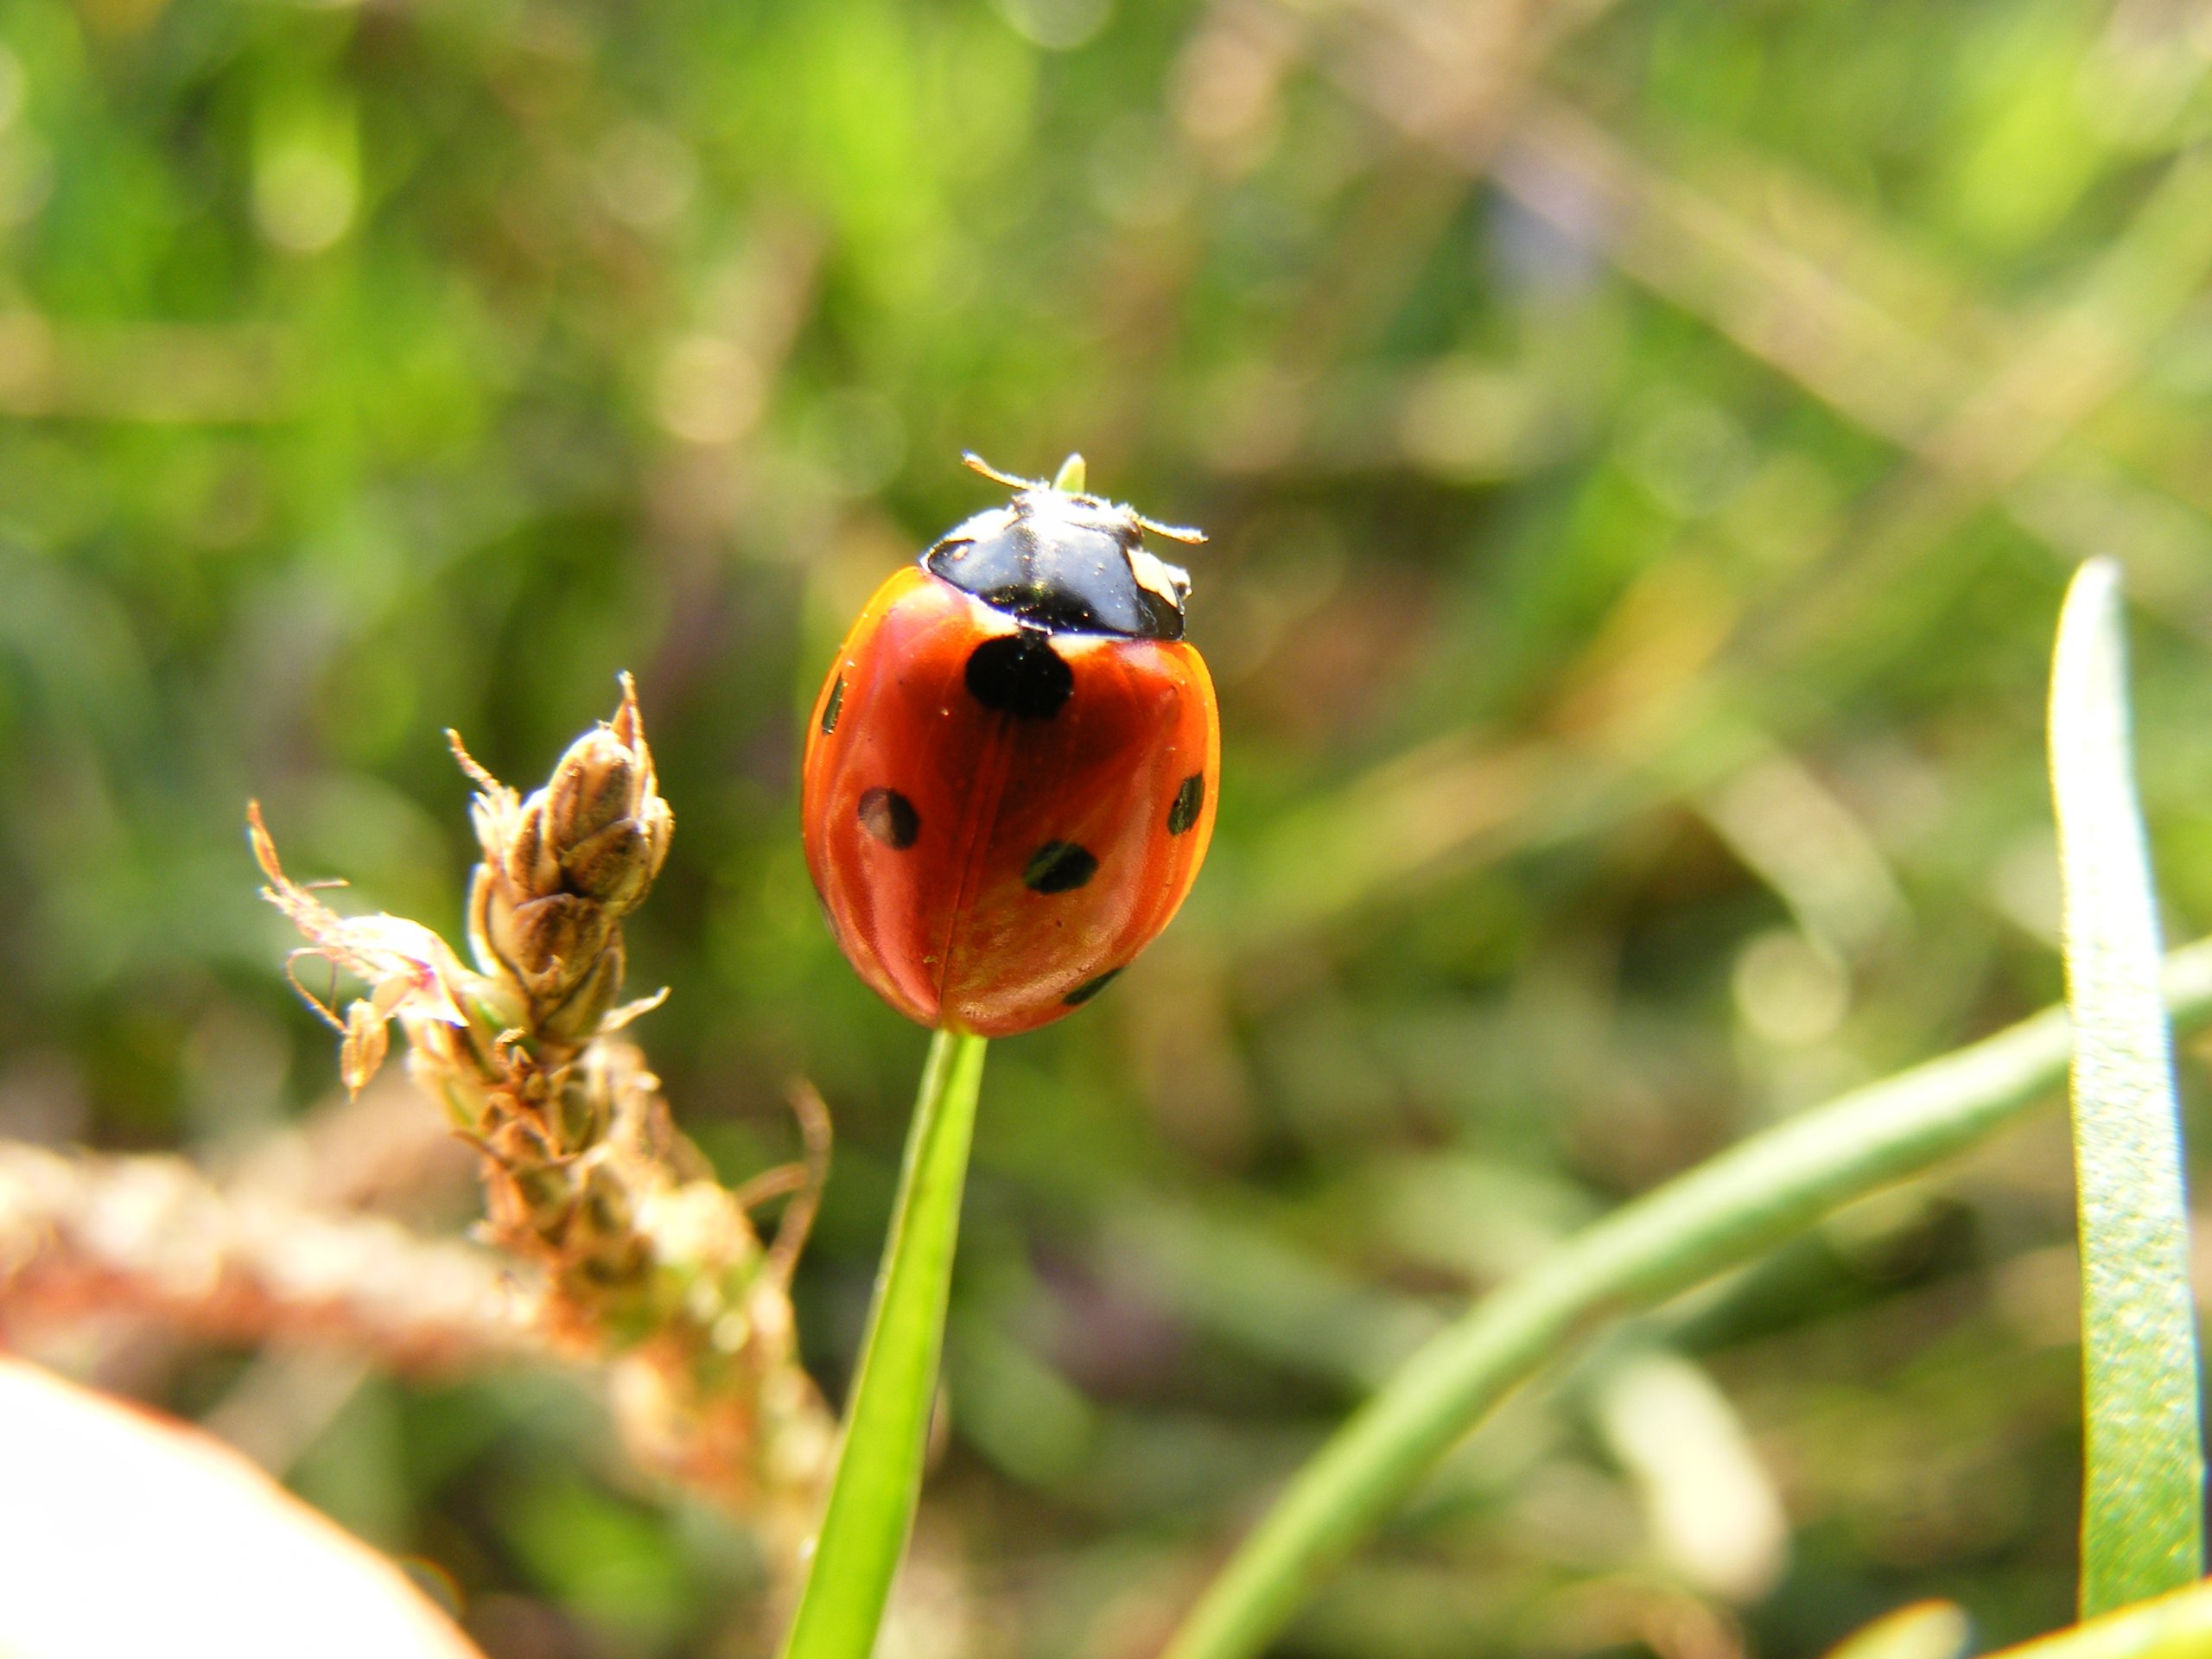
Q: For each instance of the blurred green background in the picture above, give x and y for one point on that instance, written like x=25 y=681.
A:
x=1643 y=448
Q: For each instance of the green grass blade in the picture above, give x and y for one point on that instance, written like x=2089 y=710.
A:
x=1718 y=1216
x=2142 y=1518
x=879 y=1476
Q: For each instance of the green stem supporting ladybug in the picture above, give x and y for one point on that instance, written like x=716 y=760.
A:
x=878 y=1478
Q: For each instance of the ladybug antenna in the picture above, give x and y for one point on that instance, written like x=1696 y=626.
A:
x=976 y=463
x=1071 y=480
x=1183 y=533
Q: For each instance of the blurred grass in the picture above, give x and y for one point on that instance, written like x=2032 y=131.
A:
x=1644 y=449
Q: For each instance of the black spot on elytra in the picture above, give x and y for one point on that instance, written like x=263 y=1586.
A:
x=1089 y=988
x=1189 y=800
x=1059 y=866
x=836 y=706
x=890 y=818
x=1019 y=674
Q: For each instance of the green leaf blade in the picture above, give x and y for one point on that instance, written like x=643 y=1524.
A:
x=878 y=1481
x=1723 y=1213
x=2142 y=1524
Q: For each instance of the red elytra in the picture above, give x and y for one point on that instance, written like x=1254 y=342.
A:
x=1010 y=770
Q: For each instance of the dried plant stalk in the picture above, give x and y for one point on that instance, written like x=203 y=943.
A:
x=151 y=1236
x=649 y=1263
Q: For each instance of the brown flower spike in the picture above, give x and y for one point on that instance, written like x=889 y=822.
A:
x=647 y=1261
x=563 y=868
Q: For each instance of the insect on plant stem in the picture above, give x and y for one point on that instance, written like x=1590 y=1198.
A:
x=988 y=866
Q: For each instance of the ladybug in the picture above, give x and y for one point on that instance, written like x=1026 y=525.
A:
x=1010 y=770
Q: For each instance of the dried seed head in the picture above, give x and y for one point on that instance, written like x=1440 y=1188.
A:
x=368 y=1037
x=562 y=867
x=644 y=1257
x=526 y=863
x=605 y=827
x=615 y=867
x=553 y=943
x=579 y=1017
x=598 y=781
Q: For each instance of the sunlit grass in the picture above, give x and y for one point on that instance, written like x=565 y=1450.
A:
x=2143 y=1508
x=1728 y=1212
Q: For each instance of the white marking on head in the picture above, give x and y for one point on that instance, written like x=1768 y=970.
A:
x=1171 y=581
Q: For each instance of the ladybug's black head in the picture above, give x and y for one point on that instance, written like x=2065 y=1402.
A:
x=1067 y=563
